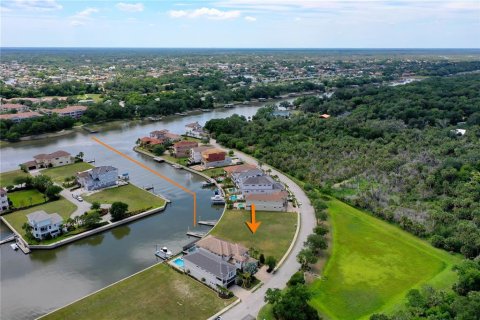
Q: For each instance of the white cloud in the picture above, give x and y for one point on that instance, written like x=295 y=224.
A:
x=209 y=13
x=130 y=7
x=82 y=17
x=249 y=18
x=32 y=5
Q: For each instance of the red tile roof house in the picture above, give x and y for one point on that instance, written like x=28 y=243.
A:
x=55 y=159
x=147 y=141
x=9 y=107
x=165 y=135
x=17 y=117
x=212 y=158
x=182 y=149
x=277 y=201
x=71 y=111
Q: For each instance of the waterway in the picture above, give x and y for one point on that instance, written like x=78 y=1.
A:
x=32 y=285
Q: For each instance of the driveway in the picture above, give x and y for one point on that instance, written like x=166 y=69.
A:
x=82 y=207
x=251 y=304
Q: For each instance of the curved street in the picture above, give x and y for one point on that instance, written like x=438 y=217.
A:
x=251 y=304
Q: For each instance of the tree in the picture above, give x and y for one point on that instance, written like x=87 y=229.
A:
x=119 y=210
x=262 y=259
x=23 y=180
x=53 y=191
x=293 y=305
x=297 y=278
x=272 y=296
x=41 y=182
x=80 y=156
x=159 y=149
x=95 y=205
x=468 y=277
x=306 y=257
x=316 y=242
x=271 y=262
x=91 y=220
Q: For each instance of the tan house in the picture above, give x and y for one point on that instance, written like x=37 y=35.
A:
x=71 y=111
x=182 y=149
x=214 y=157
x=233 y=253
x=277 y=201
x=18 y=117
x=55 y=159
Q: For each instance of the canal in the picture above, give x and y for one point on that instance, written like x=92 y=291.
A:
x=32 y=285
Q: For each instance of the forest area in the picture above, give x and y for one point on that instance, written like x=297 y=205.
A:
x=392 y=151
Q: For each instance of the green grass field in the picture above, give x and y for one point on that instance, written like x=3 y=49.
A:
x=6 y=178
x=214 y=172
x=156 y=293
x=272 y=238
x=373 y=265
x=25 y=198
x=58 y=174
x=63 y=207
x=94 y=96
x=135 y=197
x=182 y=161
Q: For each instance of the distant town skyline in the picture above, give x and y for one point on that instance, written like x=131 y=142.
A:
x=241 y=24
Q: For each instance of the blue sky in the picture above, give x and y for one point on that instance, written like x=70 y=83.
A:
x=242 y=23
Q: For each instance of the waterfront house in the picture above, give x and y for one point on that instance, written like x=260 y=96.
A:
x=150 y=142
x=233 y=253
x=209 y=268
x=48 y=160
x=260 y=184
x=98 y=178
x=195 y=130
x=239 y=177
x=277 y=201
x=3 y=200
x=9 y=107
x=214 y=157
x=44 y=224
x=71 y=111
x=165 y=135
x=21 y=116
x=183 y=148
x=196 y=154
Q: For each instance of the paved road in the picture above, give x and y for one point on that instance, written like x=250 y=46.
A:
x=252 y=304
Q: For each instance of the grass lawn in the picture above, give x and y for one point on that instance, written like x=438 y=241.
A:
x=63 y=207
x=214 y=172
x=25 y=198
x=58 y=174
x=182 y=161
x=157 y=293
x=6 y=178
x=373 y=265
x=135 y=197
x=272 y=238
x=94 y=96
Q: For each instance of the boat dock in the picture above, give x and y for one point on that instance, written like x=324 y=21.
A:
x=8 y=239
x=159 y=159
x=196 y=234
x=211 y=223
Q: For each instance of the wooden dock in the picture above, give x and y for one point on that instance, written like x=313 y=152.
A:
x=9 y=239
x=210 y=223
x=23 y=246
x=196 y=234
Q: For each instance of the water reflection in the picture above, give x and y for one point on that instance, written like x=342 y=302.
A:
x=121 y=232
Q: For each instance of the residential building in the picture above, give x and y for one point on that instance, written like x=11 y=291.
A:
x=194 y=129
x=233 y=253
x=98 y=178
x=9 y=107
x=148 y=141
x=71 y=111
x=196 y=154
x=165 y=135
x=44 y=224
x=3 y=200
x=55 y=159
x=18 y=117
x=209 y=268
x=239 y=177
x=213 y=157
x=182 y=149
x=277 y=201
x=261 y=184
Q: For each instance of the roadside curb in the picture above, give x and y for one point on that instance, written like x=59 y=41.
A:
x=230 y=306
x=292 y=244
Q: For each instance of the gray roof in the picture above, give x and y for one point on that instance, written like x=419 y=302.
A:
x=41 y=215
x=259 y=180
x=248 y=173
x=103 y=169
x=210 y=262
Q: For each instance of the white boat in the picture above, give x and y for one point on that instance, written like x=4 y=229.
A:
x=176 y=166
x=217 y=199
x=163 y=253
x=14 y=246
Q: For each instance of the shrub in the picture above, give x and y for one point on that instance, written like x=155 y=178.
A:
x=297 y=278
x=271 y=263
x=262 y=259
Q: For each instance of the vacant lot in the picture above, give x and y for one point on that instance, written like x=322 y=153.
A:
x=63 y=207
x=272 y=238
x=373 y=265
x=59 y=174
x=25 y=198
x=156 y=293
x=7 y=178
x=136 y=198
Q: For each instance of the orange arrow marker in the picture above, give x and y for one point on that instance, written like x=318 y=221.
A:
x=253 y=226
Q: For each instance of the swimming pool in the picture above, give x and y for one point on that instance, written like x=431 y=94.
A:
x=179 y=263
x=233 y=197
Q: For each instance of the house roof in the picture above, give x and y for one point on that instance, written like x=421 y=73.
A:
x=3 y=192
x=201 y=148
x=276 y=196
x=210 y=263
x=47 y=156
x=20 y=115
x=13 y=106
x=239 y=168
x=68 y=109
x=212 y=151
x=41 y=215
x=325 y=116
x=151 y=140
x=222 y=247
x=193 y=125
x=259 y=180
x=96 y=171
x=185 y=143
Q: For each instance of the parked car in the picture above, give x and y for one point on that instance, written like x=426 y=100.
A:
x=79 y=198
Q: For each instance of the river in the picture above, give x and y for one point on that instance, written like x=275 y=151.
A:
x=32 y=285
